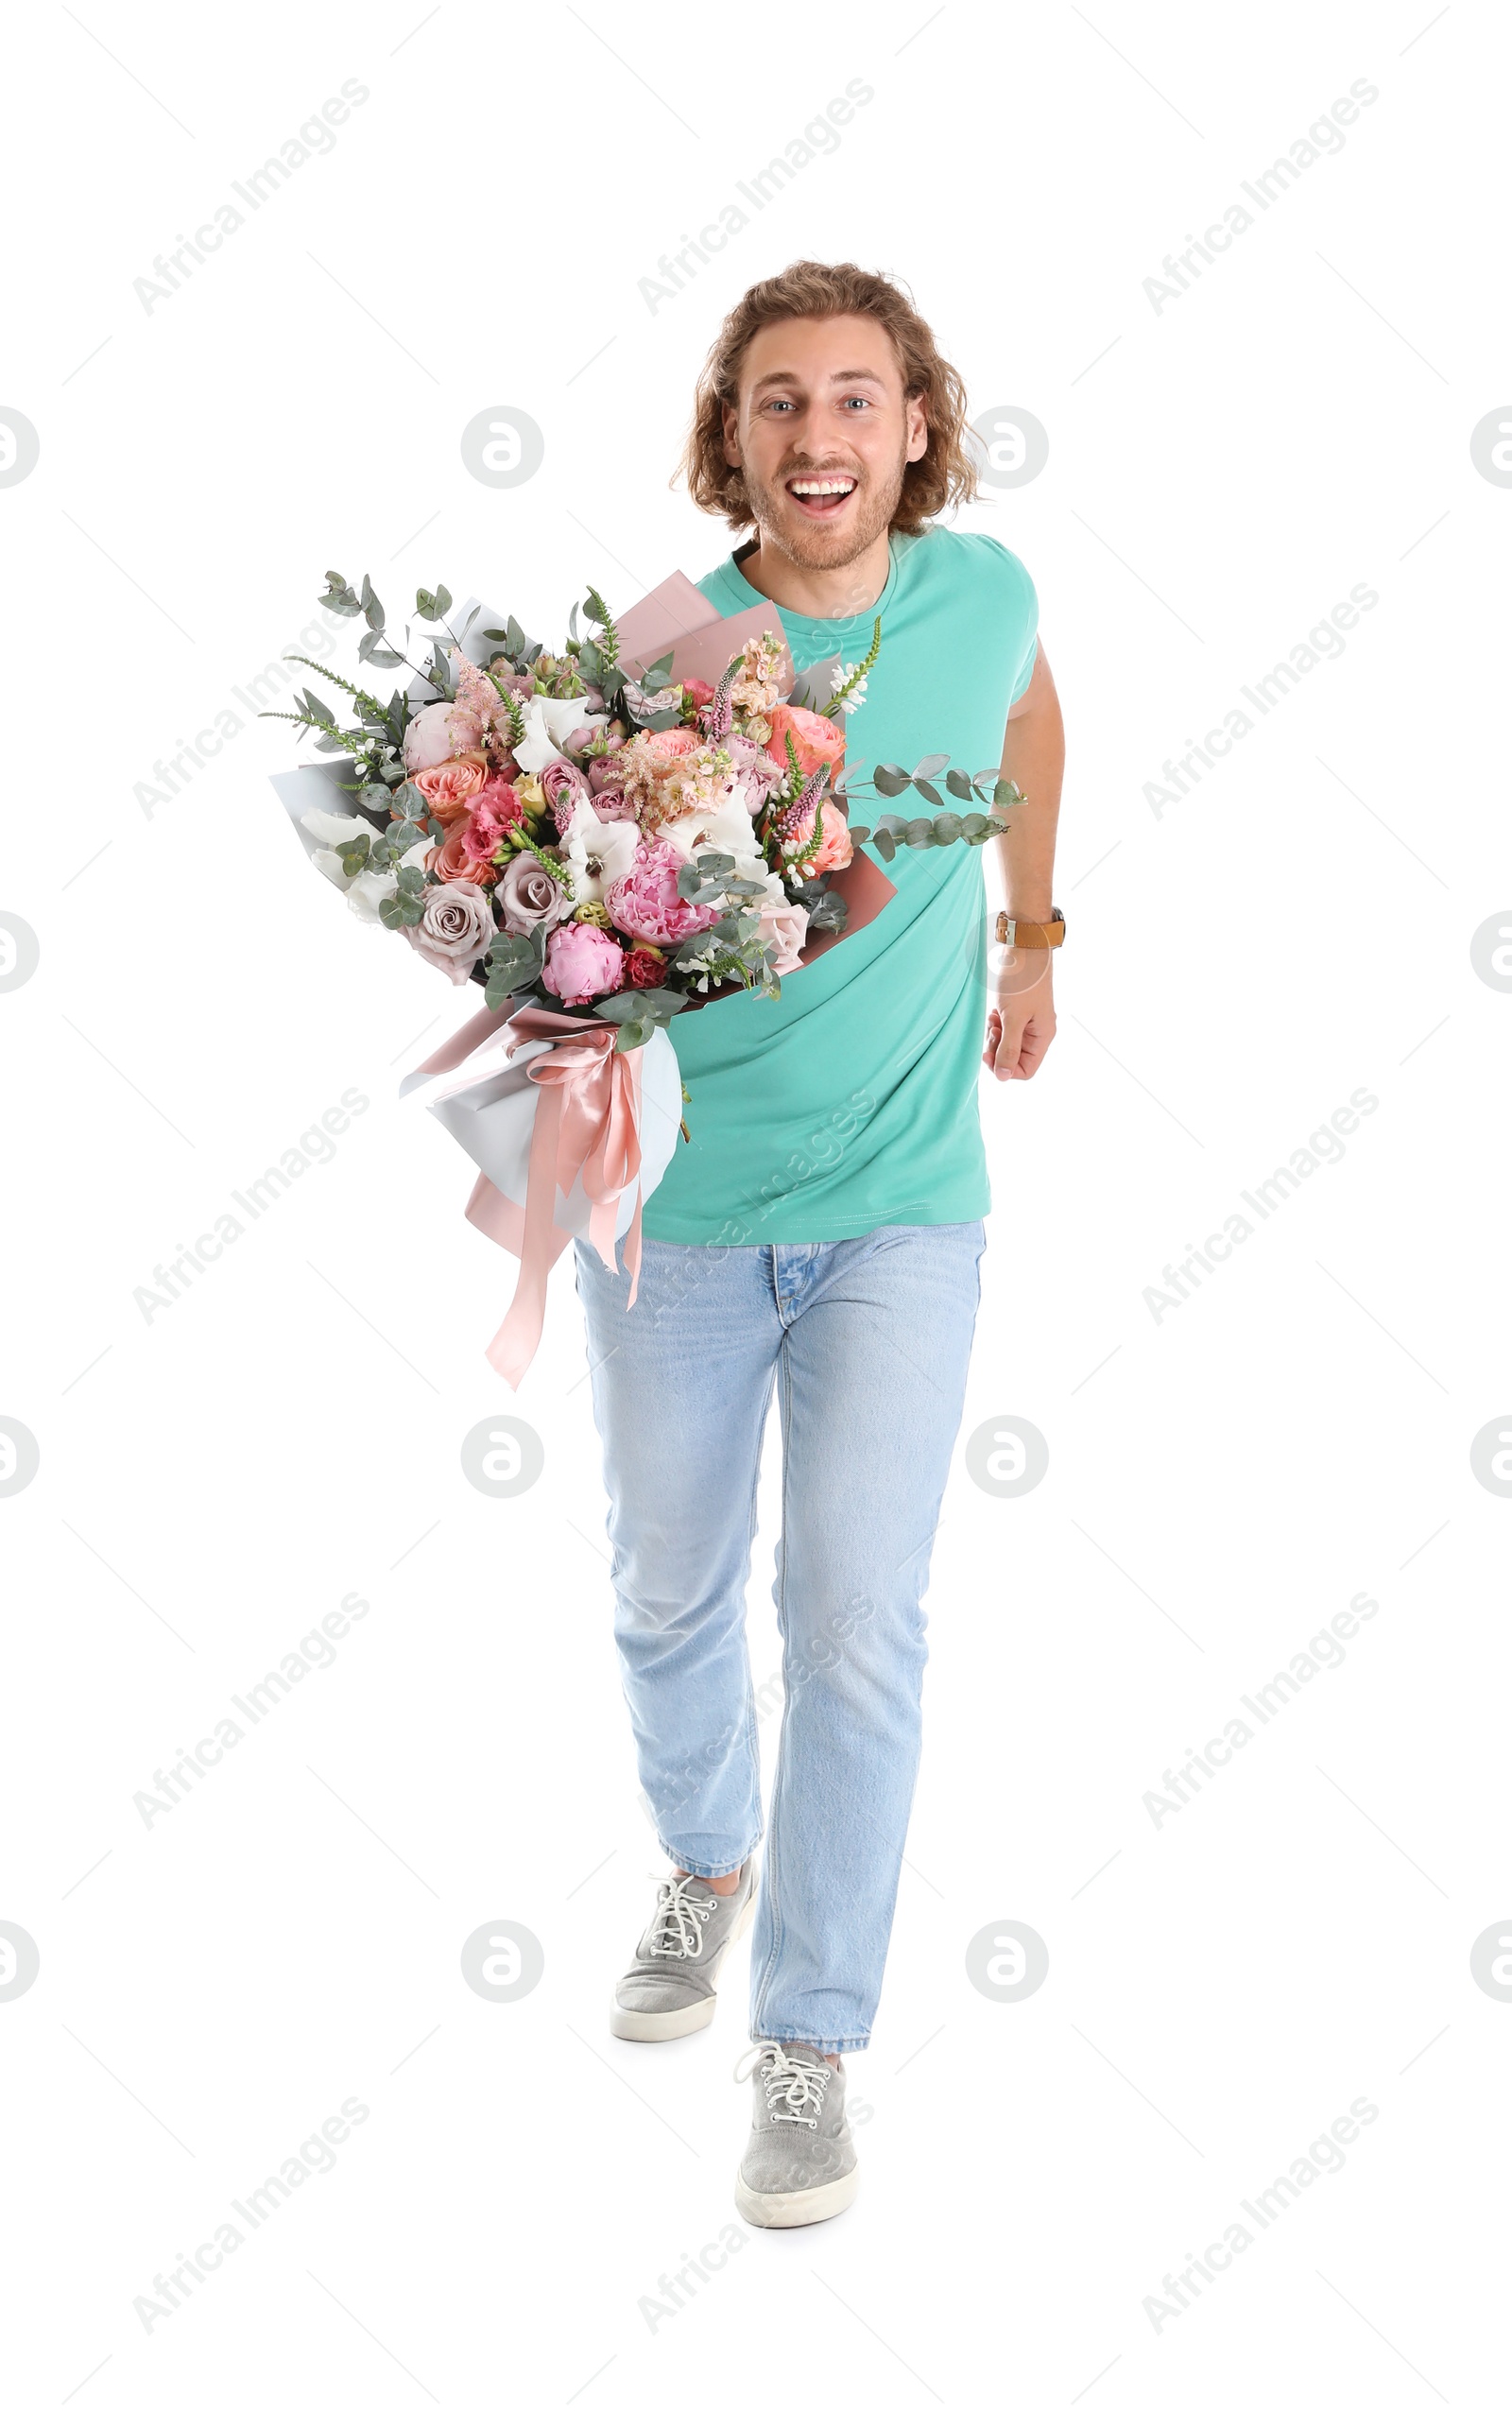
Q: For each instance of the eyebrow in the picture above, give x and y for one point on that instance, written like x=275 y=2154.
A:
x=841 y=376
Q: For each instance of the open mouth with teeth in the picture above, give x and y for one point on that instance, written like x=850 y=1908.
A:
x=823 y=497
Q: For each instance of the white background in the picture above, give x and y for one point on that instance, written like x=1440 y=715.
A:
x=1222 y=1481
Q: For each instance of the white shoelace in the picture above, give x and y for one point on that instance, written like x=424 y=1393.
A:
x=676 y=1930
x=794 y=2087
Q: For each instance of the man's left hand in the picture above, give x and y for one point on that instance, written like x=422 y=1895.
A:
x=1022 y=1020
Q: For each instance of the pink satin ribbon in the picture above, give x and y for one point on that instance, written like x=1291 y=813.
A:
x=587 y=1124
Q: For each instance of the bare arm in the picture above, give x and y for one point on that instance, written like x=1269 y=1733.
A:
x=1022 y=1022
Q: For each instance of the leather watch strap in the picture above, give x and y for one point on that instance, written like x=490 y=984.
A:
x=1031 y=933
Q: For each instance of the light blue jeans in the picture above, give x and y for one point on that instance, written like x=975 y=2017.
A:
x=868 y=1341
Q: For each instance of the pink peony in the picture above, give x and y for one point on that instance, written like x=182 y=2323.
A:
x=437 y=732
x=458 y=928
x=646 y=902
x=788 y=925
x=582 y=962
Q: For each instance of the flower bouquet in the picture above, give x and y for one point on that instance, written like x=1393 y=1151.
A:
x=600 y=840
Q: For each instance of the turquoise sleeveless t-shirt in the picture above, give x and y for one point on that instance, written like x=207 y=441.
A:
x=851 y=1100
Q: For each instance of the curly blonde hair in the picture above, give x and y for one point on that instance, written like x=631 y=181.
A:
x=816 y=289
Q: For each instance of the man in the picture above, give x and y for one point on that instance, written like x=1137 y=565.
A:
x=821 y=1229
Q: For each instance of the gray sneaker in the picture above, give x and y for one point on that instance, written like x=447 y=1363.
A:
x=800 y=2163
x=670 y=1989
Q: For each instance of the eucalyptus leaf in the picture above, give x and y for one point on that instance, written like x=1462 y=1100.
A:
x=931 y=794
x=889 y=779
x=958 y=783
x=947 y=828
x=931 y=765
x=920 y=832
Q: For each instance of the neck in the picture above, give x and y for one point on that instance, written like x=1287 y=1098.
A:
x=818 y=593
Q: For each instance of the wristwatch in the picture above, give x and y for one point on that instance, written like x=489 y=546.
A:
x=1032 y=933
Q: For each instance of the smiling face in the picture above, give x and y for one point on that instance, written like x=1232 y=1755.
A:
x=823 y=432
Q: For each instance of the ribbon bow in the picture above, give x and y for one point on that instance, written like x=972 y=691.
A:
x=587 y=1126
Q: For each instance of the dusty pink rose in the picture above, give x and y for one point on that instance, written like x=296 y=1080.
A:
x=454 y=860
x=604 y=771
x=562 y=784
x=756 y=771
x=582 y=962
x=788 y=925
x=815 y=739
x=458 y=928
x=437 y=732
x=646 y=902
x=450 y=786
x=833 y=850
x=611 y=803
x=529 y=898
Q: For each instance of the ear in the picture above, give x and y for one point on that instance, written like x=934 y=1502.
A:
x=732 y=427
x=918 y=423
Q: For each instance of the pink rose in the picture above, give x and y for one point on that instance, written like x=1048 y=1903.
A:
x=455 y=861
x=815 y=739
x=449 y=786
x=582 y=962
x=611 y=803
x=788 y=925
x=833 y=850
x=456 y=929
x=529 y=898
x=604 y=771
x=437 y=732
x=646 y=902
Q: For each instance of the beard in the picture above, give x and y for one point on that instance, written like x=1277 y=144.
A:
x=808 y=543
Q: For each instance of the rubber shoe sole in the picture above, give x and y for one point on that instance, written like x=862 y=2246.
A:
x=665 y=2025
x=797 y=2210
